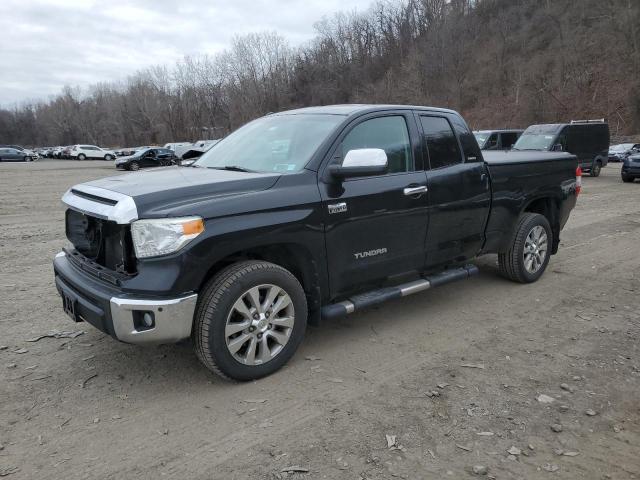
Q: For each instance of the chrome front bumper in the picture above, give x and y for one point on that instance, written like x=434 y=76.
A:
x=173 y=319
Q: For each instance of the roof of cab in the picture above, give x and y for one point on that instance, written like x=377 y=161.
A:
x=358 y=109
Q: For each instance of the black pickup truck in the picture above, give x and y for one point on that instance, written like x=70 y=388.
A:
x=303 y=215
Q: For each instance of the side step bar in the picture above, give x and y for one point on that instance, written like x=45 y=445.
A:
x=375 y=297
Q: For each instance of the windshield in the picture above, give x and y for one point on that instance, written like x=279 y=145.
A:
x=481 y=138
x=276 y=143
x=528 y=141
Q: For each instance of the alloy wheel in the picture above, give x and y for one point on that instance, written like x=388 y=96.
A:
x=259 y=324
x=535 y=249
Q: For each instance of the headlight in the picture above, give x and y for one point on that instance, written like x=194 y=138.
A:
x=162 y=236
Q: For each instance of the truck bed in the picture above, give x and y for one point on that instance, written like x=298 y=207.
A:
x=518 y=179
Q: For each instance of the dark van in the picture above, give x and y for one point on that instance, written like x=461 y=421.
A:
x=497 y=139
x=586 y=139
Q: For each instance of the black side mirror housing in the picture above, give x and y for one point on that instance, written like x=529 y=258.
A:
x=338 y=171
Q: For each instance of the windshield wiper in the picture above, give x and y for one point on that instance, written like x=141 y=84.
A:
x=234 y=168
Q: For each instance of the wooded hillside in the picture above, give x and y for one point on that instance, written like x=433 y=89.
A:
x=501 y=63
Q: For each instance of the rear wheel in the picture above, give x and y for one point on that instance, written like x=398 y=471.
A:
x=250 y=320
x=82 y=156
x=595 y=169
x=528 y=255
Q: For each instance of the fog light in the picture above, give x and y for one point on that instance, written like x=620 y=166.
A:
x=143 y=320
x=147 y=319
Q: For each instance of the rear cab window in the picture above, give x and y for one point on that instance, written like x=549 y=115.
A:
x=440 y=142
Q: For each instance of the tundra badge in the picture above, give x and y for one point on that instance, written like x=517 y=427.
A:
x=370 y=253
x=337 y=207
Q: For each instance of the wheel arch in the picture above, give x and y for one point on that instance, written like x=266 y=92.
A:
x=549 y=208
x=294 y=257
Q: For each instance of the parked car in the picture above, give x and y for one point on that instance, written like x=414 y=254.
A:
x=586 y=139
x=149 y=157
x=82 y=152
x=302 y=215
x=66 y=152
x=497 y=139
x=617 y=153
x=630 y=168
x=15 y=155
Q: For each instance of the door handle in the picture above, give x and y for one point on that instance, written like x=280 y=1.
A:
x=410 y=191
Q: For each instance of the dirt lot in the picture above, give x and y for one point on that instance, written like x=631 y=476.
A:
x=90 y=407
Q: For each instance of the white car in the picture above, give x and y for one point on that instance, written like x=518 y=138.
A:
x=82 y=152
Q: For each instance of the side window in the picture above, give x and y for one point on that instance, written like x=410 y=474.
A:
x=441 y=142
x=492 y=143
x=469 y=144
x=508 y=139
x=570 y=139
x=387 y=133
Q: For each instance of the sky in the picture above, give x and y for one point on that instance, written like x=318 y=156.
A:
x=47 y=44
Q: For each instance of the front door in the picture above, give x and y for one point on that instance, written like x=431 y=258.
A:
x=376 y=226
x=459 y=195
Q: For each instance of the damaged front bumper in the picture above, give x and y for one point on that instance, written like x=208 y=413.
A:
x=126 y=317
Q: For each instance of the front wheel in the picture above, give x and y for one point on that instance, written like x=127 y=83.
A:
x=595 y=169
x=250 y=320
x=528 y=255
x=134 y=166
x=108 y=157
x=627 y=179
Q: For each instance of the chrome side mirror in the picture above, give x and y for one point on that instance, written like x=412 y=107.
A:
x=361 y=162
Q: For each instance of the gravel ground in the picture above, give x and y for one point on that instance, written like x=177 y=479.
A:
x=427 y=387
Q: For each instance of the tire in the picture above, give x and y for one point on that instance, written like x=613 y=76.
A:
x=82 y=156
x=513 y=264
x=108 y=158
x=25 y=159
x=627 y=179
x=133 y=166
x=216 y=312
x=595 y=169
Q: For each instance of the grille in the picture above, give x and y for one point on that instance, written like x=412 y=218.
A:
x=104 y=242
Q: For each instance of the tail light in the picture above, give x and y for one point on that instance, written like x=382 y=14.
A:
x=578 y=180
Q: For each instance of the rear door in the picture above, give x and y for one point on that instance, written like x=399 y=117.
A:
x=375 y=226
x=459 y=193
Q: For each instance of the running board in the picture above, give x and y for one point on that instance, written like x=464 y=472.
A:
x=375 y=297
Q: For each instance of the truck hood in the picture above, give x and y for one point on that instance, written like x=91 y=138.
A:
x=162 y=189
